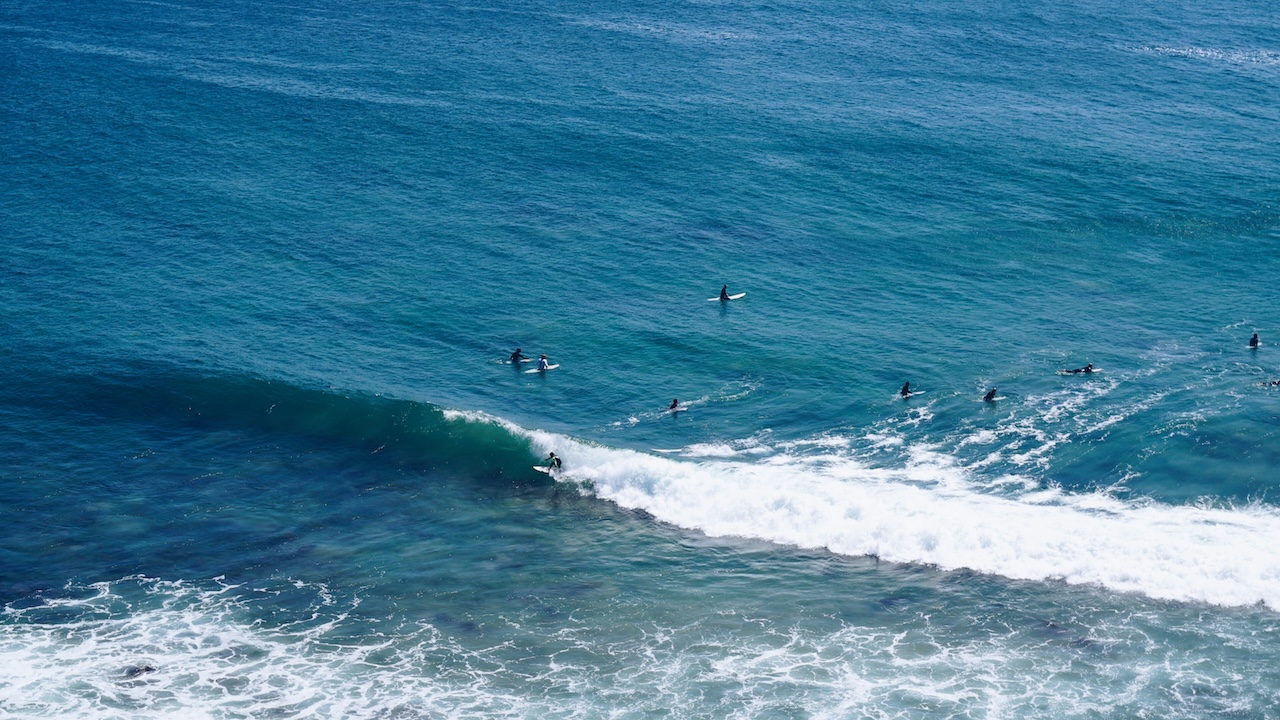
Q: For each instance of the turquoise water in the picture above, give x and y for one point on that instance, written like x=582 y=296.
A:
x=261 y=455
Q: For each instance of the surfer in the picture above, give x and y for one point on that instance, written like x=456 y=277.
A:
x=1253 y=341
x=990 y=396
x=1085 y=370
x=906 y=390
x=542 y=362
x=675 y=404
x=724 y=292
x=518 y=357
x=553 y=462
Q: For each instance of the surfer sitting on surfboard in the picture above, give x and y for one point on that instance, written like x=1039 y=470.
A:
x=906 y=390
x=542 y=362
x=675 y=404
x=724 y=292
x=1253 y=341
x=1086 y=370
x=518 y=357
x=990 y=396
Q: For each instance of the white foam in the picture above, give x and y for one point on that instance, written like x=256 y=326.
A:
x=933 y=512
x=1266 y=58
x=293 y=651
x=753 y=445
x=1039 y=424
x=208 y=653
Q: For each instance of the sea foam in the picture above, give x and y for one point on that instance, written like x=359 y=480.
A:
x=932 y=511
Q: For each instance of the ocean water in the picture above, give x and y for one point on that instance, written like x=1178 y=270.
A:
x=261 y=264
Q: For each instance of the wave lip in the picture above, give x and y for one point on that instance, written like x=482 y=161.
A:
x=931 y=512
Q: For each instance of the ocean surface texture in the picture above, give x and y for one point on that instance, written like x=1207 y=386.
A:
x=262 y=454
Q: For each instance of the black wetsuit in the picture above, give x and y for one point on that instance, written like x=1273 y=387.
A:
x=991 y=395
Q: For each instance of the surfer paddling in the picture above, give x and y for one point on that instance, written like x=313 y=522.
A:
x=1086 y=370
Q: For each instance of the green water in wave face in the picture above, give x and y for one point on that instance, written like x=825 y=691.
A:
x=251 y=254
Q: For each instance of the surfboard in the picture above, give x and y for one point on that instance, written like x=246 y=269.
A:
x=1068 y=372
x=536 y=370
x=739 y=296
x=910 y=394
x=998 y=397
x=542 y=469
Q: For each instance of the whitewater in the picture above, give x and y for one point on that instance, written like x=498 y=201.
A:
x=932 y=512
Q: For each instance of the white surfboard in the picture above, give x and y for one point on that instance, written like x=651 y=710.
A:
x=537 y=370
x=542 y=469
x=739 y=296
x=1068 y=372
x=912 y=393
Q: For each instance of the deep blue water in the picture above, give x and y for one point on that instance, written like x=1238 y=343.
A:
x=261 y=455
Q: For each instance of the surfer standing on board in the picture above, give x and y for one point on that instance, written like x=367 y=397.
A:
x=553 y=462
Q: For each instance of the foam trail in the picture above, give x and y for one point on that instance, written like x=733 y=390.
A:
x=929 y=512
x=205 y=656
